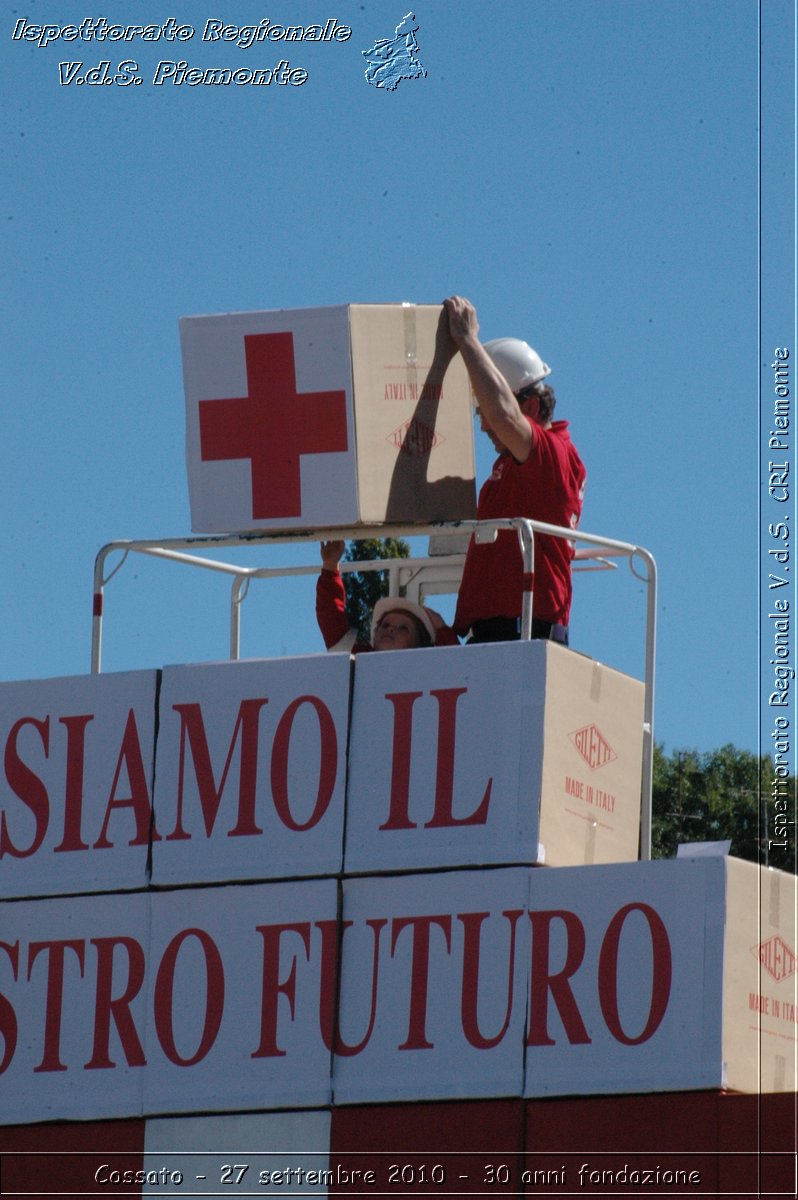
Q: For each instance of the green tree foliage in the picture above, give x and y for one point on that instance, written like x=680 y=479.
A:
x=720 y=794
x=365 y=588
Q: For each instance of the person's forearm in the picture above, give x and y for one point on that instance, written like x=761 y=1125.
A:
x=489 y=385
x=497 y=404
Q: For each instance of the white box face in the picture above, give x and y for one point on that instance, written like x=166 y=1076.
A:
x=270 y=437
x=445 y=757
x=626 y=978
x=456 y=984
x=76 y=783
x=64 y=1056
x=158 y=1002
x=251 y=770
x=433 y=1001
x=207 y=1151
x=234 y=998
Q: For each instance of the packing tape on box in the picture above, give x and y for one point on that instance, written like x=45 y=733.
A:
x=411 y=347
x=595 y=683
x=590 y=844
x=774 y=901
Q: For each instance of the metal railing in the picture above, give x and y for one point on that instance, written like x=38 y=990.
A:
x=416 y=576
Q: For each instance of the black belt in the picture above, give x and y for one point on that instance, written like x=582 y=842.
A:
x=508 y=629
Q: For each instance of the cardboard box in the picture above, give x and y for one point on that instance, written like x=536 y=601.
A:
x=760 y=985
x=250 y=770
x=321 y=417
x=78 y=758
x=504 y=753
x=705 y=947
x=183 y=1000
x=590 y=777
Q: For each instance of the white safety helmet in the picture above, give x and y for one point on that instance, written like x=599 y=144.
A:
x=520 y=365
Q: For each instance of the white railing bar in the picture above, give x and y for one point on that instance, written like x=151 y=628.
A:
x=601 y=564
x=173 y=549
x=210 y=564
x=170 y=548
x=355 y=533
x=584 y=552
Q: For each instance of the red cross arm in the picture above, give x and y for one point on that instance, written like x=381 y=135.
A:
x=273 y=426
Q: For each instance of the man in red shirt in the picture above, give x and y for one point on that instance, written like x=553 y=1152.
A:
x=538 y=475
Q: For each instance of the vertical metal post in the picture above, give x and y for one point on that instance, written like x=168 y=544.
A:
x=97 y=614
x=236 y=597
x=647 y=783
x=97 y=630
x=526 y=537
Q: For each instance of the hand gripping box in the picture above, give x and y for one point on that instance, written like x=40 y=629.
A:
x=516 y=752
x=325 y=417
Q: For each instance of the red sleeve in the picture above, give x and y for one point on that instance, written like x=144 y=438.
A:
x=331 y=608
x=446 y=637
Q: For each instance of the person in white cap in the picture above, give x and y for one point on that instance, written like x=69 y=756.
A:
x=396 y=623
x=538 y=474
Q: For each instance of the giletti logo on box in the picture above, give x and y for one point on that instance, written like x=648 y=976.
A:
x=414 y=438
x=776 y=957
x=593 y=746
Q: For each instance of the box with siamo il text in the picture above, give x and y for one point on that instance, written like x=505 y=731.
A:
x=515 y=752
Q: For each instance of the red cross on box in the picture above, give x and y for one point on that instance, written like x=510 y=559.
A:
x=295 y=419
x=273 y=425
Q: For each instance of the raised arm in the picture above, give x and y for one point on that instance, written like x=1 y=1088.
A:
x=498 y=406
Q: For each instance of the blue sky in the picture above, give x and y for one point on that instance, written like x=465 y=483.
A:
x=586 y=171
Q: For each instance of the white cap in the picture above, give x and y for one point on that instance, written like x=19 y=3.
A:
x=399 y=604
